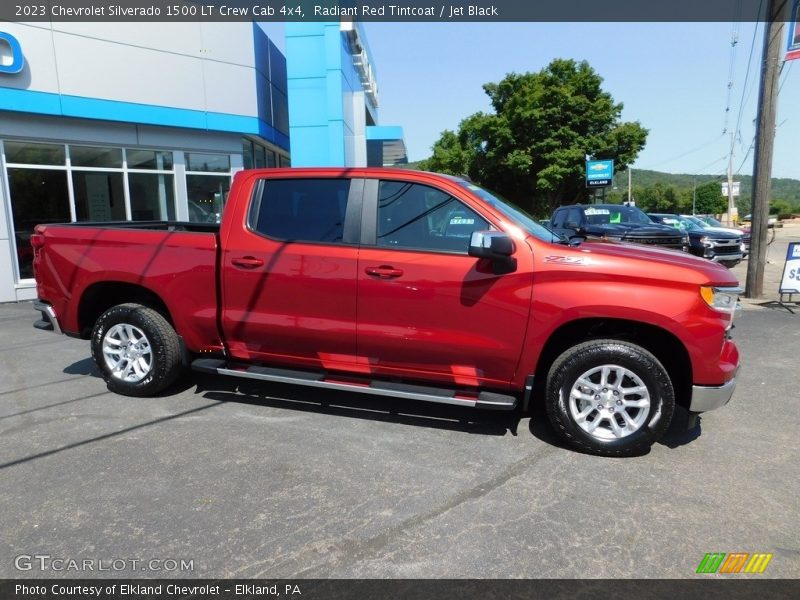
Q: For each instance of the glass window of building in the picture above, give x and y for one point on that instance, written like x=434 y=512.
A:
x=149 y=159
x=152 y=196
x=207 y=195
x=86 y=156
x=99 y=196
x=208 y=163
x=33 y=153
x=37 y=196
x=261 y=161
x=247 y=154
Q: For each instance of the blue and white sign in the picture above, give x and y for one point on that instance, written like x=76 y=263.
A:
x=11 y=59
x=793 y=43
x=790 y=282
x=599 y=173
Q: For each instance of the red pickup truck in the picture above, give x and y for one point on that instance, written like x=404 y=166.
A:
x=399 y=283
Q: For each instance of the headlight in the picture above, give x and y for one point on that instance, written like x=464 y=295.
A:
x=723 y=299
x=705 y=241
x=612 y=238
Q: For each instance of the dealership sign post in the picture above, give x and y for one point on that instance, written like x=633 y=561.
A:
x=599 y=173
x=793 y=45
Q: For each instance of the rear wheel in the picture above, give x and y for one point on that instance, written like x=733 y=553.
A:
x=609 y=398
x=136 y=349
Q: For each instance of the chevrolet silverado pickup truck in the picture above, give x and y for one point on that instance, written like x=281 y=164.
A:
x=401 y=283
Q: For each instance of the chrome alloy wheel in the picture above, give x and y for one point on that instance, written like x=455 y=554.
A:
x=127 y=353
x=609 y=402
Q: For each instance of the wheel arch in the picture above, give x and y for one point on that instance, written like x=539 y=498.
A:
x=664 y=345
x=99 y=297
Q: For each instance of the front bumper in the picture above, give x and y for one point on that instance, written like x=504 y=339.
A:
x=706 y=397
x=723 y=258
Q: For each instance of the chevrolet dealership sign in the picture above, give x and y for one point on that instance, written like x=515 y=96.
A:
x=599 y=173
x=11 y=59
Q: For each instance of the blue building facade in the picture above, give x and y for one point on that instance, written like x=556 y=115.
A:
x=127 y=121
x=334 y=99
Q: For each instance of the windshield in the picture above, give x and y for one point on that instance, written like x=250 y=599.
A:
x=713 y=222
x=519 y=217
x=613 y=214
x=680 y=222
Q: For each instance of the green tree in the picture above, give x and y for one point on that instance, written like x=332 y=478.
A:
x=710 y=199
x=532 y=149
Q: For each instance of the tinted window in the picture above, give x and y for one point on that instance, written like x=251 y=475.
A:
x=418 y=216
x=604 y=214
x=558 y=218
x=305 y=210
x=574 y=217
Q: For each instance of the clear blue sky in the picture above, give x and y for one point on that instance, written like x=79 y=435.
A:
x=671 y=77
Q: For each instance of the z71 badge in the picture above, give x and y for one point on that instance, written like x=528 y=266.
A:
x=564 y=260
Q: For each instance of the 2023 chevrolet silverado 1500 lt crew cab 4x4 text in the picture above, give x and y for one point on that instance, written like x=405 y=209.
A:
x=400 y=283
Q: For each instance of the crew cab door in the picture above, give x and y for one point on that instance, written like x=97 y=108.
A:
x=289 y=274
x=426 y=309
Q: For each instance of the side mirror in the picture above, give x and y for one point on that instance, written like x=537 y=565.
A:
x=495 y=246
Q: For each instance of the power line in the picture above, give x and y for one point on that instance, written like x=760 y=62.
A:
x=785 y=77
x=732 y=64
x=704 y=167
x=747 y=74
x=687 y=153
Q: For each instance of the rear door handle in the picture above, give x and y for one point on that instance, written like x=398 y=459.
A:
x=247 y=262
x=384 y=272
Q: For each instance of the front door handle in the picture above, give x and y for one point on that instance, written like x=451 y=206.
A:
x=384 y=272
x=247 y=262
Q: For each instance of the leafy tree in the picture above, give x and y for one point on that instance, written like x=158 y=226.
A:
x=782 y=208
x=532 y=149
x=710 y=199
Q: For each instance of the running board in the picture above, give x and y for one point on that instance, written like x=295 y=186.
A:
x=487 y=400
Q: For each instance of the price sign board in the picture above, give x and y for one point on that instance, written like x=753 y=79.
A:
x=790 y=282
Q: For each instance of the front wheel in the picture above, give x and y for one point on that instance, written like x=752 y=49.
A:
x=136 y=349
x=609 y=398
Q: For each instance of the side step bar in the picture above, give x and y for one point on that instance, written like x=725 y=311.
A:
x=488 y=400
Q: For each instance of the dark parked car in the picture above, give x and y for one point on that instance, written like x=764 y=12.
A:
x=724 y=247
x=615 y=222
x=711 y=224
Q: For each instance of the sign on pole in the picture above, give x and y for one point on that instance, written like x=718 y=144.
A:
x=793 y=45
x=734 y=187
x=599 y=173
x=790 y=282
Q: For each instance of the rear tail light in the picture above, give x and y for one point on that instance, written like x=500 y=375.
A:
x=37 y=241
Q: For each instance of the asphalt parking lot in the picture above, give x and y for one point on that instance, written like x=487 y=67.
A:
x=257 y=480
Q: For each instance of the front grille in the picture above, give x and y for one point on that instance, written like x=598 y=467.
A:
x=673 y=242
x=728 y=249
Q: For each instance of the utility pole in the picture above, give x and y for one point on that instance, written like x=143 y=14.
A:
x=629 y=185
x=730 y=182
x=765 y=137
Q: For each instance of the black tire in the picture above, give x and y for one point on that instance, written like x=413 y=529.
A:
x=163 y=356
x=632 y=362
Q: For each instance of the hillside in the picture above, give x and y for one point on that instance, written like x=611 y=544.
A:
x=782 y=189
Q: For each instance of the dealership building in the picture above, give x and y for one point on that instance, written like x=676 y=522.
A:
x=135 y=121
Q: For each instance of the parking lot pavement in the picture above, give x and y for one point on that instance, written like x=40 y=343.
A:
x=273 y=481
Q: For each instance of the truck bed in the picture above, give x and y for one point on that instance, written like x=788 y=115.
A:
x=93 y=262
